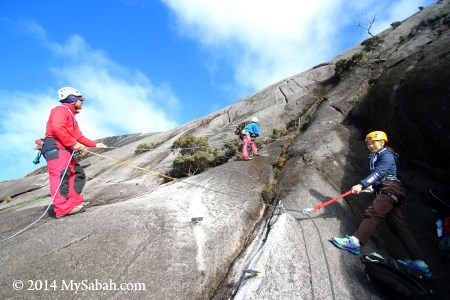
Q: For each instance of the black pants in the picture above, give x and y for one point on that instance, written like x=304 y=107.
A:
x=384 y=207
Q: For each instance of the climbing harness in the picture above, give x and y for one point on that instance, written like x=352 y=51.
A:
x=308 y=211
x=395 y=200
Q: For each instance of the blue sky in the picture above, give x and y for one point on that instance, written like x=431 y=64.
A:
x=150 y=65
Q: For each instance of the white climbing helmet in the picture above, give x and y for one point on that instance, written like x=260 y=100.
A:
x=255 y=119
x=65 y=92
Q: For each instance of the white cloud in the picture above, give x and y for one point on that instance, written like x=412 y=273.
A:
x=118 y=101
x=261 y=41
x=125 y=103
x=23 y=121
x=267 y=41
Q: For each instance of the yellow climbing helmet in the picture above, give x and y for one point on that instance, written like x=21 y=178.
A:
x=377 y=136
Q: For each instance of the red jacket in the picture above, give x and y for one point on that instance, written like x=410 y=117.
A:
x=62 y=126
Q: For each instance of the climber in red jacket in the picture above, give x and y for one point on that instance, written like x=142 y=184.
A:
x=62 y=137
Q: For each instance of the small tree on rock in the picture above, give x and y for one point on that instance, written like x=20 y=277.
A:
x=195 y=156
x=374 y=42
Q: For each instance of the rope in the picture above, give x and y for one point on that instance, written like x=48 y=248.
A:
x=330 y=279
x=197 y=147
x=317 y=207
x=268 y=225
x=282 y=209
x=48 y=207
x=124 y=163
x=307 y=256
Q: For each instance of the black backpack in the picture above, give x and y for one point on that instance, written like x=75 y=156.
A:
x=239 y=128
x=396 y=280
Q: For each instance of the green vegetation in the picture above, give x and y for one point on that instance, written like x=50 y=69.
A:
x=232 y=148
x=7 y=199
x=190 y=144
x=344 y=66
x=141 y=148
x=195 y=156
x=269 y=192
x=144 y=147
x=19 y=205
x=191 y=164
x=396 y=24
x=277 y=133
x=284 y=156
x=372 y=43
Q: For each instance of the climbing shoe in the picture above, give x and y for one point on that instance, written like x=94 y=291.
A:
x=77 y=209
x=347 y=243
x=247 y=158
x=418 y=265
x=255 y=154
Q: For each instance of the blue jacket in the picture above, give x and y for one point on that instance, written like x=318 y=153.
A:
x=383 y=168
x=253 y=129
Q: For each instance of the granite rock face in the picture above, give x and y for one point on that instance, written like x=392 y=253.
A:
x=139 y=231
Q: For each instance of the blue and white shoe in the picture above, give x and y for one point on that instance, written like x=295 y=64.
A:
x=347 y=243
x=418 y=265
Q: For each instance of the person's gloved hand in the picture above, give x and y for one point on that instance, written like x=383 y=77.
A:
x=79 y=147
